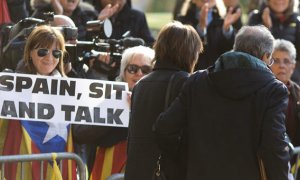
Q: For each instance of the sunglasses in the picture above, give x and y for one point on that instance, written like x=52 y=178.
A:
x=41 y=52
x=271 y=62
x=133 y=69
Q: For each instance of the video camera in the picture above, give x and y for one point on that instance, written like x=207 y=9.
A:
x=83 y=51
x=90 y=49
x=13 y=47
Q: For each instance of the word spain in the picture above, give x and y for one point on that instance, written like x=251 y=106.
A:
x=63 y=100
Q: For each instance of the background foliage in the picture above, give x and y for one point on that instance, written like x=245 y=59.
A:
x=159 y=12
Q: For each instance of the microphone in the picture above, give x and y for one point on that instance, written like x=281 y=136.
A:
x=131 y=42
x=90 y=45
x=126 y=42
x=104 y=27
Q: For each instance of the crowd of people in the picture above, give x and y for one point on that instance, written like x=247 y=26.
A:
x=211 y=97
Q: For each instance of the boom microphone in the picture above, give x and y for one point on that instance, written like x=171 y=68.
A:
x=127 y=42
x=131 y=42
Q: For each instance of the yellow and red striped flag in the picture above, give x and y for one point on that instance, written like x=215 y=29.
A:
x=109 y=161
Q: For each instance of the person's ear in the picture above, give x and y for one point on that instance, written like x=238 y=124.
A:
x=266 y=58
x=293 y=66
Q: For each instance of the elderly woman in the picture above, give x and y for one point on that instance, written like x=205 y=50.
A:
x=136 y=62
x=43 y=55
x=284 y=56
x=105 y=143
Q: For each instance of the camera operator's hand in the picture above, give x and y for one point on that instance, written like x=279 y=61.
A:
x=57 y=7
x=68 y=67
x=104 y=58
x=108 y=11
x=129 y=98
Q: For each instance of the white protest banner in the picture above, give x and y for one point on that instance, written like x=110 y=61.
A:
x=65 y=100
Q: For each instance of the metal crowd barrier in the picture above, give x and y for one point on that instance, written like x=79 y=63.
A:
x=296 y=151
x=118 y=176
x=42 y=157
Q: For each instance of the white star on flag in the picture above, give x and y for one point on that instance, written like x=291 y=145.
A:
x=54 y=129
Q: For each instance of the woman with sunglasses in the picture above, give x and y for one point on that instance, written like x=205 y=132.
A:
x=43 y=55
x=136 y=62
x=176 y=52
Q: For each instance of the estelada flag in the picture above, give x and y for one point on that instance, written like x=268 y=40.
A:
x=109 y=161
x=4 y=13
x=25 y=137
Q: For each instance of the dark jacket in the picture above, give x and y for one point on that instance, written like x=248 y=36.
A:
x=215 y=43
x=148 y=100
x=294 y=97
x=288 y=29
x=293 y=118
x=132 y=20
x=80 y=16
x=233 y=112
x=18 y=10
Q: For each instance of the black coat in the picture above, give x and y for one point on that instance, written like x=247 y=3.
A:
x=132 y=20
x=18 y=10
x=128 y=19
x=148 y=100
x=232 y=112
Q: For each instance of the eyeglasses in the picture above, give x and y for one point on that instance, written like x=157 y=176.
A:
x=271 y=61
x=133 y=69
x=285 y=61
x=41 y=52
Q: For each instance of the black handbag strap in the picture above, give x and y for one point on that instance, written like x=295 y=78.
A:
x=157 y=172
x=169 y=87
x=168 y=92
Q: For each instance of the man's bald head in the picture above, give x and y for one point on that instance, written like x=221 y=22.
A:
x=62 y=20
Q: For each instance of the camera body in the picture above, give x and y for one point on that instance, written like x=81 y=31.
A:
x=84 y=51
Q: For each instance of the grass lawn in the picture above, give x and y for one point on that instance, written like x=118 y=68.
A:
x=157 y=19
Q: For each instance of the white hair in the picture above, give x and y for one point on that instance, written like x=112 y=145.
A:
x=148 y=55
x=286 y=46
x=62 y=20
